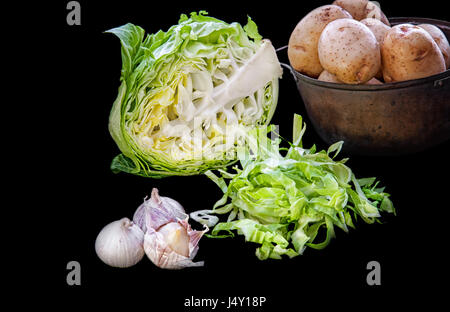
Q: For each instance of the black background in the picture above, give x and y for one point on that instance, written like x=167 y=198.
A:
x=85 y=195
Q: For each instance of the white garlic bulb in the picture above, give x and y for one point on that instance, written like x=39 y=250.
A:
x=120 y=244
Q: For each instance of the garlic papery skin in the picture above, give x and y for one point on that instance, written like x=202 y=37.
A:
x=120 y=244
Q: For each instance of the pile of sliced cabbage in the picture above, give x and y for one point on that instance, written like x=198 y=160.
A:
x=287 y=199
x=188 y=95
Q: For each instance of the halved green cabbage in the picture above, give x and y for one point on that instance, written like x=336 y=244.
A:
x=188 y=95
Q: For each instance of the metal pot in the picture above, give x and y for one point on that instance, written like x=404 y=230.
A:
x=388 y=119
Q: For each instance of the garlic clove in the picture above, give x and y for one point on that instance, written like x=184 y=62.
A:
x=176 y=238
x=162 y=255
x=194 y=237
x=159 y=253
x=168 y=249
x=120 y=244
x=169 y=240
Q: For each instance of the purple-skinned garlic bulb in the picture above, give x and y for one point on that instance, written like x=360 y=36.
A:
x=169 y=240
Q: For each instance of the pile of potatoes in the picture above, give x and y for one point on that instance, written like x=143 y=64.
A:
x=352 y=41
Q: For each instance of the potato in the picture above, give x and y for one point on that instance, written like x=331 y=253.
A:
x=349 y=50
x=440 y=39
x=361 y=9
x=328 y=77
x=409 y=52
x=357 y=8
x=374 y=11
x=379 y=29
x=302 y=47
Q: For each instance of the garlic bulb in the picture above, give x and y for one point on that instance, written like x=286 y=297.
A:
x=120 y=244
x=164 y=210
x=169 y=240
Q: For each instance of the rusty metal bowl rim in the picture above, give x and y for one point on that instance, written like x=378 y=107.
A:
x=385 y=86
